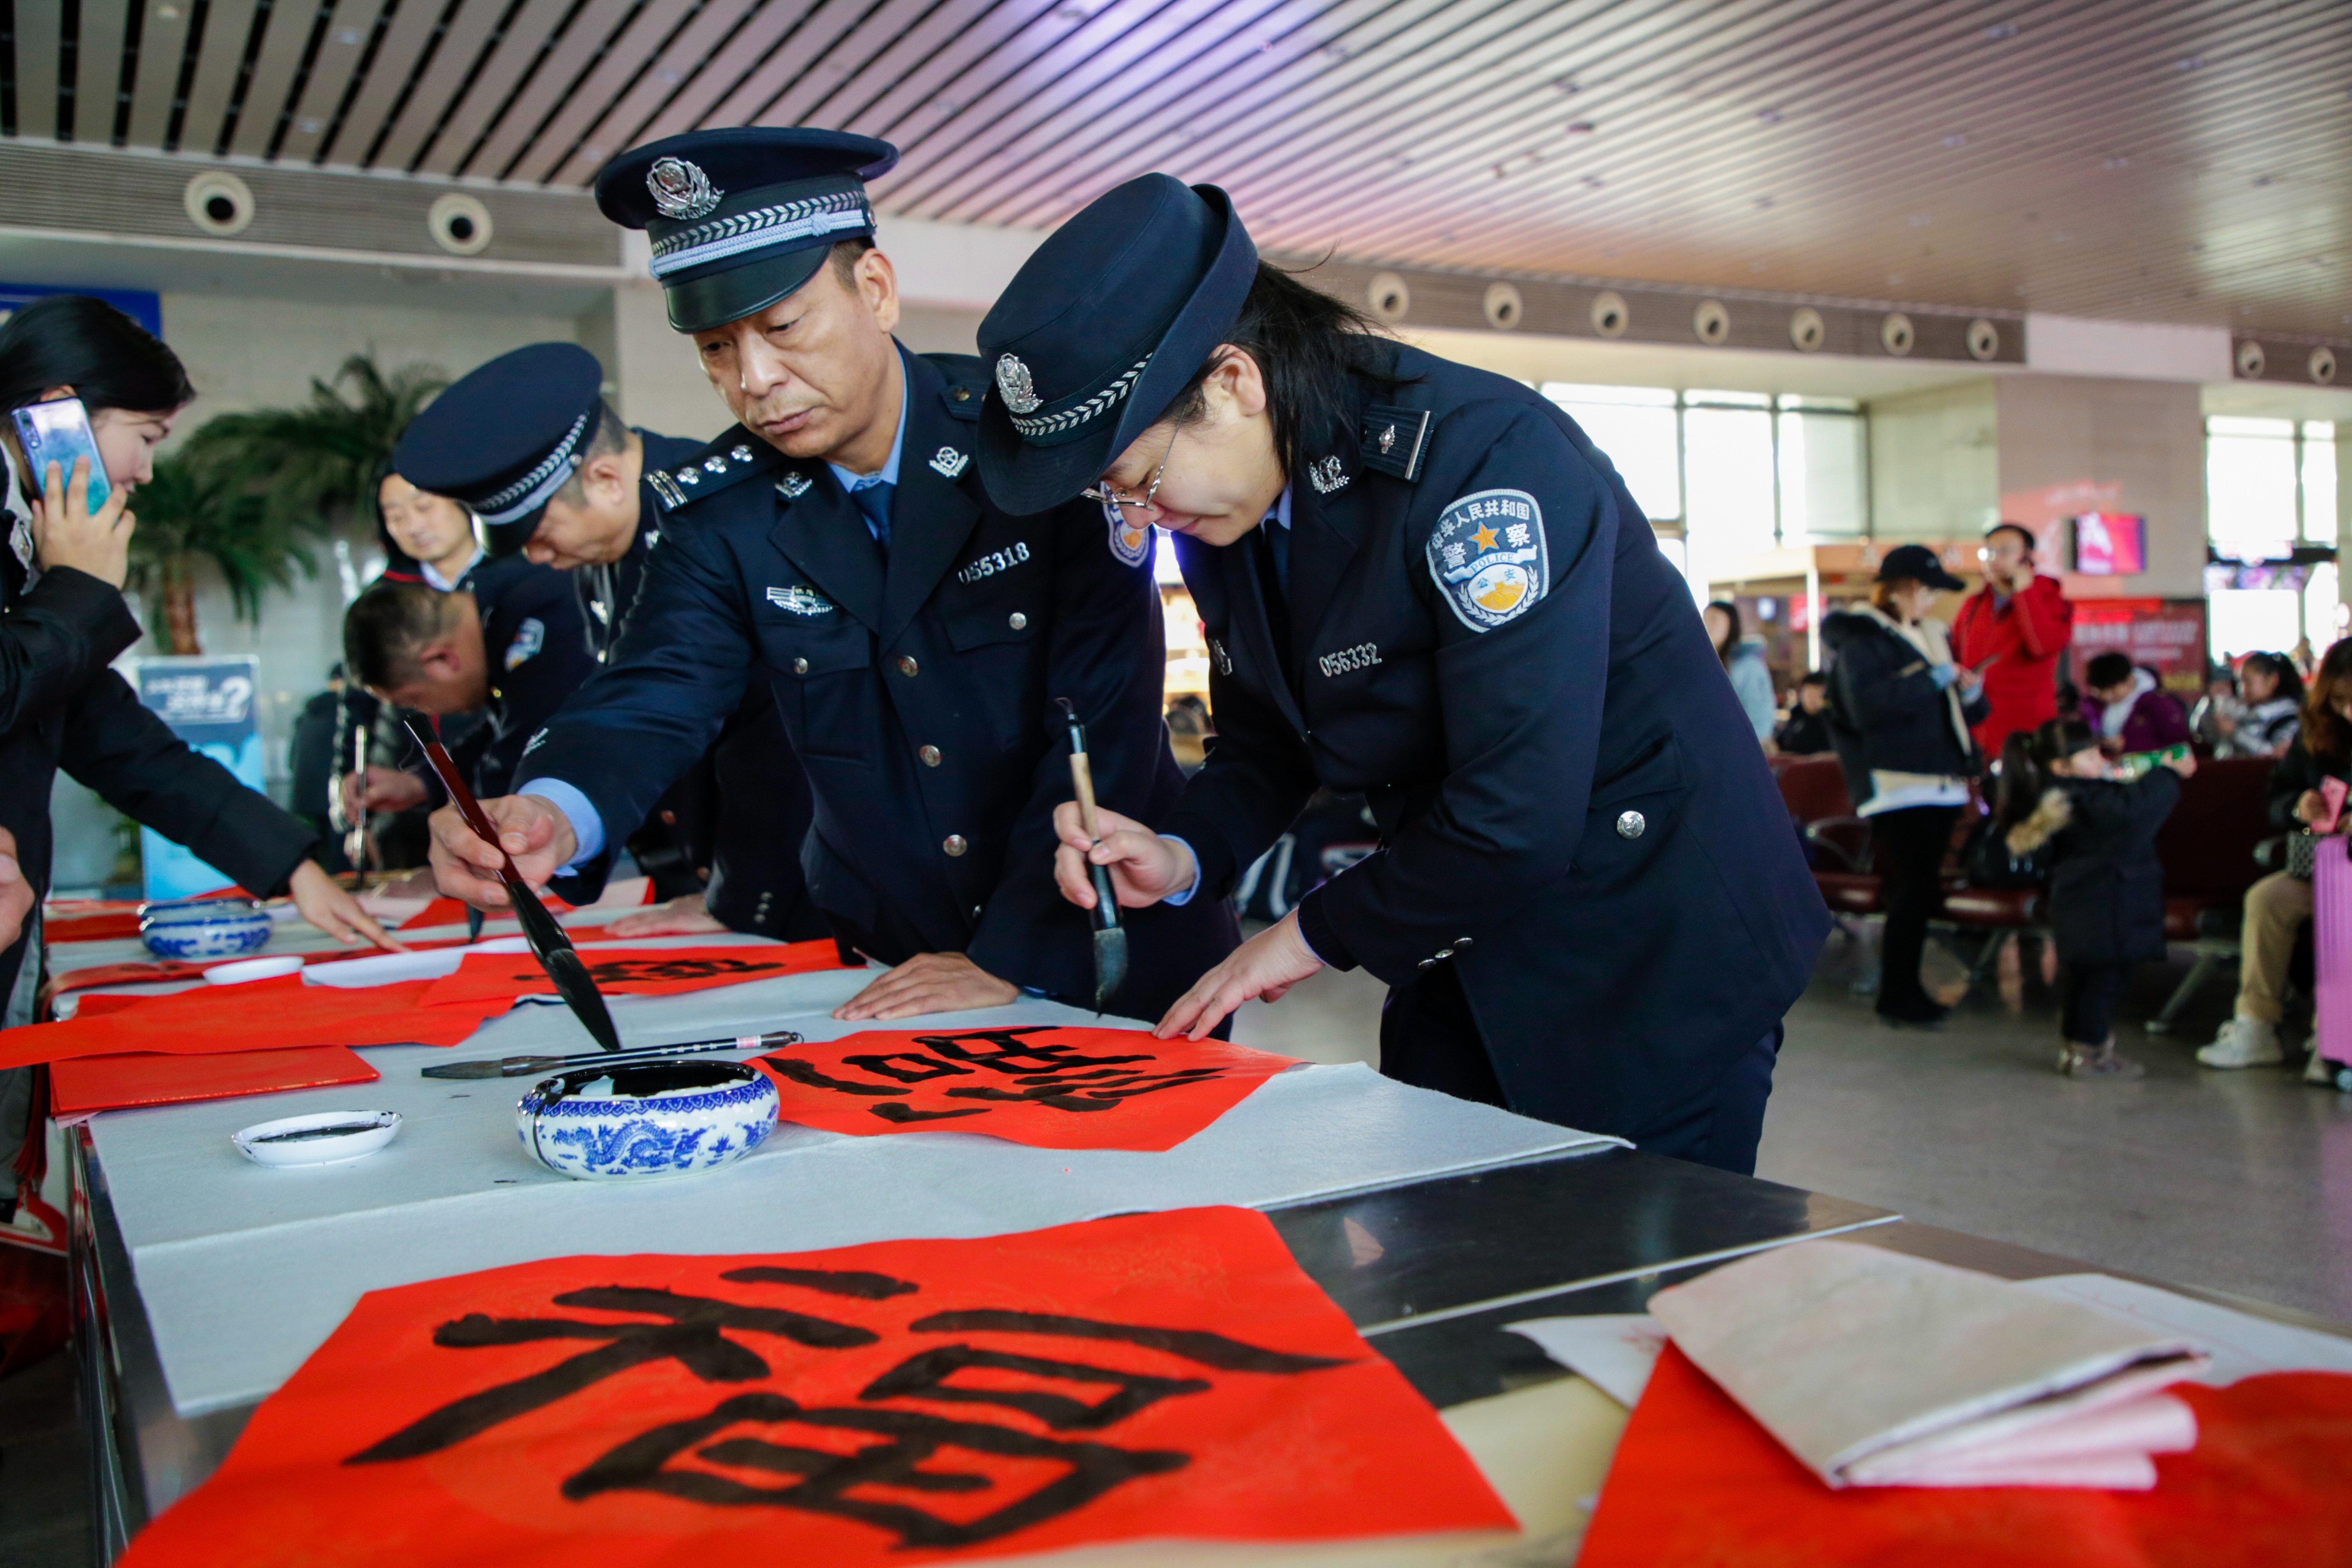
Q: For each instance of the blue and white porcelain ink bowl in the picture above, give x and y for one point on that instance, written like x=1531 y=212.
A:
x=204 y=927
x=663 y=1119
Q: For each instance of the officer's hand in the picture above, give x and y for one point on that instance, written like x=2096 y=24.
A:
x=1144 y=867
x=538 y=835
x=15 y=892
x=387 y=789
x=325 y=903
x=66 y=532
x=1265 y=966
x=680 y=917
x=930 y=982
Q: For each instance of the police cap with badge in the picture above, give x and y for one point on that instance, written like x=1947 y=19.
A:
x=740 y=219
x=505 y=438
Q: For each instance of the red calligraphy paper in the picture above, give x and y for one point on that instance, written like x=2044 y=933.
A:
x=1049 y=1086
x=633 y=971
x=1696 y=1481
x=1152 y=1375
x=258 y=1016
x=89 y=1084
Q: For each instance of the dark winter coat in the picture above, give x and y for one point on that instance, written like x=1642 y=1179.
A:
x=1886 y=712
x=2107 y=886
x=2298 y=771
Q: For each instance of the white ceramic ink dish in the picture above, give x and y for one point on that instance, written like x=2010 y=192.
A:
x=245 y=969
x=321 y=1137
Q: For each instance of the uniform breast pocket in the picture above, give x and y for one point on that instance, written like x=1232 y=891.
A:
x=1633 y=812
x=994 y=636
x=824 y=689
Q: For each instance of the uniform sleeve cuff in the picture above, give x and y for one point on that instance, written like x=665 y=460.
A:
x=1177 y=900
x=1211 y=854
x=1316 y=929
x=587 y=826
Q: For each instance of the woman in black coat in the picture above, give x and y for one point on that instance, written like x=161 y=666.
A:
x=1899 y=714
x=2060 y=798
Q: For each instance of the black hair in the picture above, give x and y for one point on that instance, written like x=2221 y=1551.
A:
x=2026 y=763
x=2018 y=529
x=2281 y=669
x=2107 y=669
x=1308 y=344
x=108 y=359
x=844 y=259
x=1819 y=678
x=388 y=627
x=610 y=435
x=1731 y=631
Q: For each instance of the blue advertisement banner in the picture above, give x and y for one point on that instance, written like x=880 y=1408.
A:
x=209 y=703
x=141 y=306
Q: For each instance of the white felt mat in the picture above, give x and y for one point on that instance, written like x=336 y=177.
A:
x=244 y=1271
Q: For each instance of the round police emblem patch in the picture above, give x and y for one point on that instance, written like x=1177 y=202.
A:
x=1487 y=556
x=680 y=189
x=1131 y=539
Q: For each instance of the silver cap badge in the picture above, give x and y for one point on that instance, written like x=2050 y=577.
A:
x=1020 y=392
x=680 y=189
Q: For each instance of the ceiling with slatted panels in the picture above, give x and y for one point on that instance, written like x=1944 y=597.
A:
x=2166 y=160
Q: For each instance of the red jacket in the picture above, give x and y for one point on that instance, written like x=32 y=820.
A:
x=2030 y=635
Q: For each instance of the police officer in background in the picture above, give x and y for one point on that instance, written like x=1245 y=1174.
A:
x=1420 y=582
x=555 y=479
x=835 y=549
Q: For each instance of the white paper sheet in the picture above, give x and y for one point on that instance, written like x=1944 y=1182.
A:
x=1614 y=1352
x=2240 y=1343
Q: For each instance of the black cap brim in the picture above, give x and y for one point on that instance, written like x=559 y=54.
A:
x=1022 y=479
x=501 y=540
x=713 y=299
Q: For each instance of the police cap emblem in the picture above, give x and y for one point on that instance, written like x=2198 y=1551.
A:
x=1488 y=557
x=1020 y=392
x=680 y=189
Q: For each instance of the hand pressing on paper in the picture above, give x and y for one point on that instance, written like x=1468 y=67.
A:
x=15 y=892
x=329 y=905
x=685 y=916
x=386 y=789
x=1267 y=966
x=1144 y=867
x=538 y=835
x=930 y=982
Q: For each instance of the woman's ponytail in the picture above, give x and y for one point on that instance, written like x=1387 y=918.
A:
x=2020 y=781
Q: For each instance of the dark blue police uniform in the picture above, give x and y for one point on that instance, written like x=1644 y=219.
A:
x=914 y=638
x=1587 y=901
x=538 y=657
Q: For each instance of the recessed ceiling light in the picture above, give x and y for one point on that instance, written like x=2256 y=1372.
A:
x=2114 y=161
x=2194 y=63
x=1956 y=139
x=2001 y=30
x=1579 y=128
x=1769 y=116
x=2261 y=180
x=1594 y=181
x=1565 y=85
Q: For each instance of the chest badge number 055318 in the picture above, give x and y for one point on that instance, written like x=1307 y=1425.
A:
x=1487 y=556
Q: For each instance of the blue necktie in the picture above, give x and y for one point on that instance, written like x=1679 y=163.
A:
x=874 y=501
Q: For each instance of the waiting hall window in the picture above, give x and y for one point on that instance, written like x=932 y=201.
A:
x=2270 y=495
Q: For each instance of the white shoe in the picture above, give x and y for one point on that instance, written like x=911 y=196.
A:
x=2244 y=1042
x=2320 y=1069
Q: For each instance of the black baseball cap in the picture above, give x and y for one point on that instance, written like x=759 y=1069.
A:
x=1917 y=563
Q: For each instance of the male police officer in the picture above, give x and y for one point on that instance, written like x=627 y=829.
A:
x=837 y=548
x=554 y=476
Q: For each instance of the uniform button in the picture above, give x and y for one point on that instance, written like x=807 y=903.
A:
x=703 y=873
x=907 y=666
x=964 y=394
x=975 y=911
x=1632 y=825
x=800 y=666
x=1424 y=963
x=930 y=755
x=669 y=818
x=954 y=844
x=1445 y=953
x=1460 y=942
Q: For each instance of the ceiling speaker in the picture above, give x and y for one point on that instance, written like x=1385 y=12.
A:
x=1503 y=306
x=2250 y=360
x=1610 y=315
x=218 y=201
x=459 y=224
x=1984 y=339
x=2322 y=365
x=1896 y=333
x=1806 y=330
x=1711 y=322
x=1389 y=297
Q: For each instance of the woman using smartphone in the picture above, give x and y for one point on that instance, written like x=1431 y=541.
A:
x=1419 y=582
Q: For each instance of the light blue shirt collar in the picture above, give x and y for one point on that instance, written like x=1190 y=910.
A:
x=447 y=584
x=1279 y=516
x=889 y=471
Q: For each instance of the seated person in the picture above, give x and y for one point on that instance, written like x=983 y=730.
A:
x=2271 y=708
x=2279 y=905
x=1807 y=732
x=511 y=649
x=2125 y=706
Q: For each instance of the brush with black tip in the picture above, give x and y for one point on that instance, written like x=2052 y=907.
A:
x=1110 y=937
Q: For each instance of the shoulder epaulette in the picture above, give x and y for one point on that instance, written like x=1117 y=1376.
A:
x=967 y=383
x=732 y=458
x=1395 y=440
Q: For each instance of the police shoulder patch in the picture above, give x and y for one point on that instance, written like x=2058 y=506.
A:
x=528 y=639
x=727 y=461
x=1131 y=540
x=1488 y=558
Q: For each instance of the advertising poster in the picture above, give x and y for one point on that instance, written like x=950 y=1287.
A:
x=2167 y=635
x=209 y=703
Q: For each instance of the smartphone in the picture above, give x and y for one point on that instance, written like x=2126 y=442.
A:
x=57 y=432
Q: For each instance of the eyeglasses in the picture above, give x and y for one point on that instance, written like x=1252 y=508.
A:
x=1108 y=496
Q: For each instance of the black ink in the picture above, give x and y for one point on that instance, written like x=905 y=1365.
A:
x=925 y=1377
x=643 y=1464
x=799 y=1071
x=1210 y=1350
x=898 y=1111
x=854 y=1282
x=924 y=1068
x=1013 y=1058
x=622 y=970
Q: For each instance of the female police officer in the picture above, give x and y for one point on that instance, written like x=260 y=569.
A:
x=1422 y=583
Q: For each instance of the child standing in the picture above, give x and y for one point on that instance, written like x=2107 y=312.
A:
x=2060 y=795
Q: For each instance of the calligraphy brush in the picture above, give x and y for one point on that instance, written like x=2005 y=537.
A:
x=1110 y=937
x=516 y=1066
x=355 y=837
x=548 y=943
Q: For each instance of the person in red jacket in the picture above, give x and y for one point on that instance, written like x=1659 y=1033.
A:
x=2021 y=623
